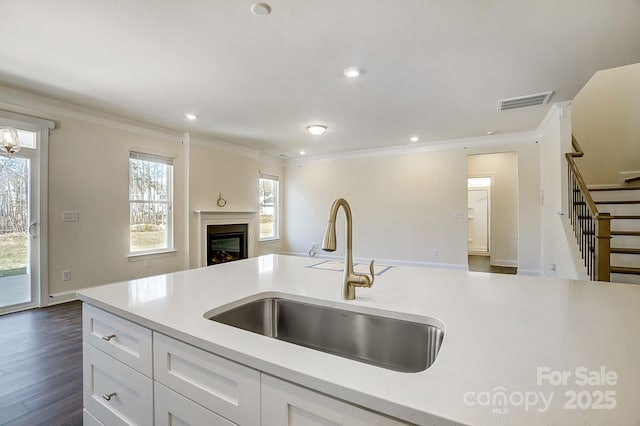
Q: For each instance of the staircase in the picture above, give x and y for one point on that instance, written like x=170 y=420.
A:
x=606 y=222
x=623 y=204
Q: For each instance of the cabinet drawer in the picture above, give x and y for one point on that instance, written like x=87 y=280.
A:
x=174 y=409
x=113 y=393
x=89 y=420
x=122 y=339
x=222 y=386
x=284 y=403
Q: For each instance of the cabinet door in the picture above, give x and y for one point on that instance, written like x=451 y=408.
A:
x=222 y=386
x=285 y=404
x=174 y=409
x=125 y=341
x=113 y=393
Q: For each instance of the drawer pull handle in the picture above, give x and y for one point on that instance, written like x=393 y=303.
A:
x=109 y=337
x=108 y=396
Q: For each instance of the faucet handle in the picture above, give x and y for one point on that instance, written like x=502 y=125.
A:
x=372 y=270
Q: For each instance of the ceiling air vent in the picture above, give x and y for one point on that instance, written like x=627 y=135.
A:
x=524 y=101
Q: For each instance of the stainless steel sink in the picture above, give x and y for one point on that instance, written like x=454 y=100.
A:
x=391 y=343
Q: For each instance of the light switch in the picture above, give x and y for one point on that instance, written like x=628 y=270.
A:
x=70 y=216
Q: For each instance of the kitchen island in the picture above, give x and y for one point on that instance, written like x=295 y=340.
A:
x=516 y=349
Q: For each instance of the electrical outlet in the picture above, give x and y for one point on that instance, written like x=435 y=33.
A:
x=554 y=267
x=66 y=275
x=436 y=253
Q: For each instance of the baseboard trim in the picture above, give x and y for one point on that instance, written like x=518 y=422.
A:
x=478 y=253
x=529 y=272
x=503 y=262
x=62 y=297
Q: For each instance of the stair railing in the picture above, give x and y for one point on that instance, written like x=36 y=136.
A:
x=592 y=228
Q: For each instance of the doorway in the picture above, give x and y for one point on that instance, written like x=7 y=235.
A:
x=492 y=200
x=23 y=178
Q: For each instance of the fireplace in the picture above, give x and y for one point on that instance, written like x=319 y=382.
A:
x=226 y=243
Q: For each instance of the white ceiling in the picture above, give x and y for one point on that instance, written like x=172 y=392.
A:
x=433 y=68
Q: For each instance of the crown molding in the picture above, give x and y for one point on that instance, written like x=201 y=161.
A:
x=502 y=141
x=46 y=108
x=209 y=142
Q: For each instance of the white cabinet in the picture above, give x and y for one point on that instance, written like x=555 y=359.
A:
x=133 y=376
x=284 y=403
x=174 y=409
x=125 y=341
x=113 y=393
x=224 y=387
x=89 y=420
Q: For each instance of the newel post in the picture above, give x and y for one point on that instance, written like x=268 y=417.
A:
x=603 y=247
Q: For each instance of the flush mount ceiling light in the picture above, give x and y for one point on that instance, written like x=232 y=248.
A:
x=352 y=72
x=302 y=153
x=261 y=9
x=190 y=116
x=316 y=129
x=10 y=142
x=414 y=138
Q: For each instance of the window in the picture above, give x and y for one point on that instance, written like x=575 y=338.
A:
x=150 y=203
x=268 y=201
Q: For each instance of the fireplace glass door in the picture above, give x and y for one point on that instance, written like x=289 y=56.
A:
x=226 y=243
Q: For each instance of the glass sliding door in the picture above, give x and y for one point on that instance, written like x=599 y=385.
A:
x=19 y=265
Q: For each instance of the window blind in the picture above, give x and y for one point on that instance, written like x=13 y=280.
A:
x=136 y=155
x=269 y=177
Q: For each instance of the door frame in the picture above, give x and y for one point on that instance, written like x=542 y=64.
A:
x=40 y=173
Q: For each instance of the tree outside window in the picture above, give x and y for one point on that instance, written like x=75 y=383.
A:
x=268 y=204
x=150 y=203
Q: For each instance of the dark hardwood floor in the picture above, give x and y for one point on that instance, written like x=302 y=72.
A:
x=41 y=366
x=481 y=264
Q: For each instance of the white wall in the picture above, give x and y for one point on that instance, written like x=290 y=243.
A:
x=503 y=168
x=404 y=202
x=560 y=254
x=606 y=122
x=88 y=173
x=217 y=168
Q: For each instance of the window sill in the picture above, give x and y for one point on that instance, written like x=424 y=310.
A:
x=135 y=257
x=269 y=240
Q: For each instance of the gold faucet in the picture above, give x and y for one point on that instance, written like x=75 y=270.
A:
x=351 y=279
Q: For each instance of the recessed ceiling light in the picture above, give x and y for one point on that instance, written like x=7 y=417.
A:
x=316 y=129
x=352 y=72
x=261 y=9
x=414 y=139
x=491 y=132
x=302 y=153
x=191 y=116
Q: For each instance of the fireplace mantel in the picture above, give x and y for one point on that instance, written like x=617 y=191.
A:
x=225 y=217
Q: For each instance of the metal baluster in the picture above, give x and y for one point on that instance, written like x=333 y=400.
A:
x=594 y=240
x=589 y=244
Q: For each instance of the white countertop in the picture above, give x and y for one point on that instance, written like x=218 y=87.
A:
x=499 y=331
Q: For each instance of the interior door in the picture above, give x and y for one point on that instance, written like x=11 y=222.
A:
x=478 y=221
